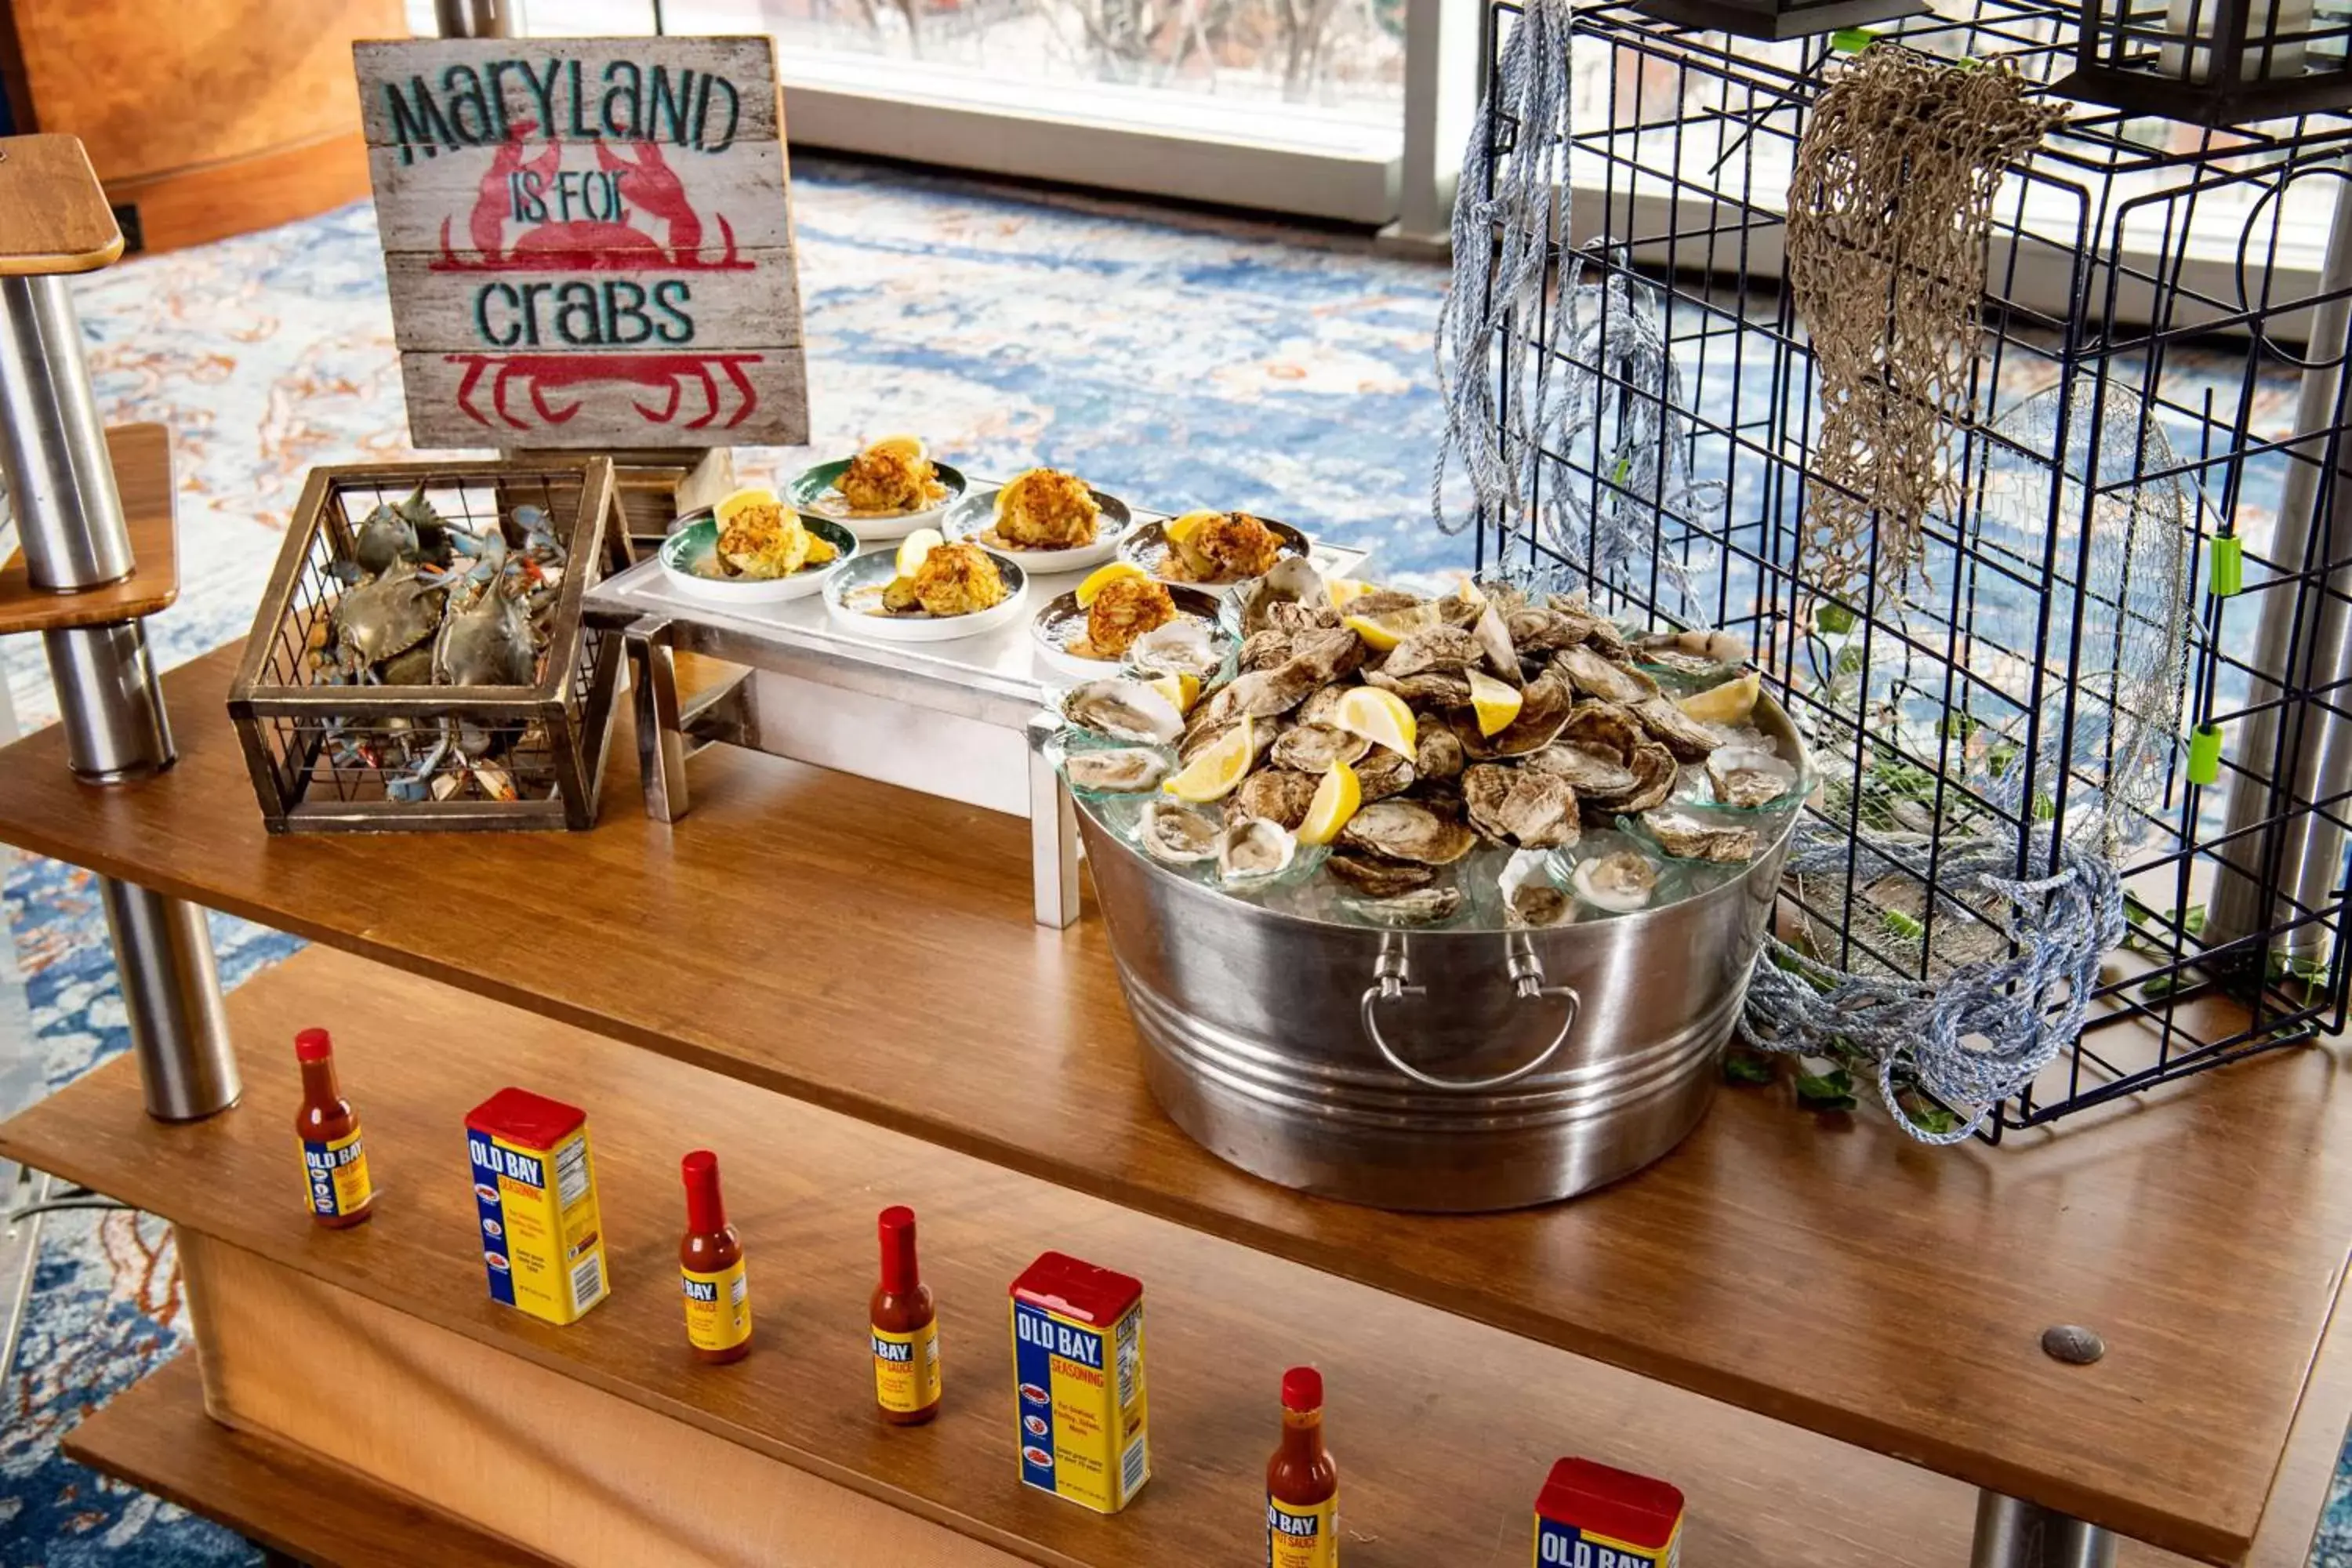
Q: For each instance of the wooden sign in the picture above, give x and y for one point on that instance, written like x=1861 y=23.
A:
x=589 y=240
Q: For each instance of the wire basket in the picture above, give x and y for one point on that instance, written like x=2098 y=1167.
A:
x=2149 y=304
x=330 y=754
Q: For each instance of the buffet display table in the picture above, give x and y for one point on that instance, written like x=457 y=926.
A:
x=1762 y=1315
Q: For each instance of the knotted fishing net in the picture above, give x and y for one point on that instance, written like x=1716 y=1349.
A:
x=1889 y=209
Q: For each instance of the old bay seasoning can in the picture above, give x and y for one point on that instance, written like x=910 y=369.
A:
x=1078 y=1373
x=535 y=1200
x=1589 y=1516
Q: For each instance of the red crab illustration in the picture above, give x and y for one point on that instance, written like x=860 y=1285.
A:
x=647 y=184
x=670 y=374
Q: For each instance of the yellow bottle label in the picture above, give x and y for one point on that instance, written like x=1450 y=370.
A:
x=335 y=1175
x=906 y=1369
x=718 y=1308
x=1300 y=1535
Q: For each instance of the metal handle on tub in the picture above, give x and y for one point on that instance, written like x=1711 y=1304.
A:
x=1390 y=982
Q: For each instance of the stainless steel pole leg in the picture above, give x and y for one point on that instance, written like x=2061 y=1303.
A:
x=2013 y=1534
x=2304 y=643
x=179 y=1030
x=69 y=519
x=1053 y=831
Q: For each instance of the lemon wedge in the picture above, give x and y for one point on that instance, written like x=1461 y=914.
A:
x=1378 y=716
x=1469 y=592
x=1179 y=529
x=911 y=448
x=1730 y=703
x=755 y=495
x=1496 y=702
x=1181 y=688
x=1336 y=800
x=1385 y=630
x=1345 y=591
x=1213 y=774
x=914 y=546
x=1102 y=577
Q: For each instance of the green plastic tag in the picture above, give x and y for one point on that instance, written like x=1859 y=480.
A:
x=2205 y=754
x=2225 y=568
x=1851 y=40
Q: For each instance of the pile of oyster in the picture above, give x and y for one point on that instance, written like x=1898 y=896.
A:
x=1630 y=772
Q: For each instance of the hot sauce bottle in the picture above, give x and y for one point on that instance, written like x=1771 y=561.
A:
x=710 y=1267
x=906 y=1327
x=1302 y=1481
x=334 y=1163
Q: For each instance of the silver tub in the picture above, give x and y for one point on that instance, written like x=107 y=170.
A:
x=1454 y=1069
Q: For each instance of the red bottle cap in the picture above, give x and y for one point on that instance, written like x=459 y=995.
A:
x=313 y=1045
x=706 y=1211
x=1302 y=1389
x=900 y=1273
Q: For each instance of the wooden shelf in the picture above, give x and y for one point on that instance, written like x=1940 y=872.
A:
x=53 y=214
x=157 y=1436
x=870 y=951
x=1446 y=1428
x=143 y=475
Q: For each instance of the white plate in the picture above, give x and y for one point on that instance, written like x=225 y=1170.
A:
x=977 y=512
x=861 y=582
x=1059 y=619
x=1147 y=548
x=813 y=482
x=695 y=540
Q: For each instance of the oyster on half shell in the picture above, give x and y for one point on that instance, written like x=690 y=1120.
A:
x=1619 y=883
x=1123 y=710
x=1407 y=830
x=1687 y=837
x=1377 y=876
x=1313 y=748
x=1519 y=806
x=1181 y=646
x=1254 y=849
x=1279 y=795
x=1596 y=676
x=1749 y=775
x=1120 y=769
x=1176 y=834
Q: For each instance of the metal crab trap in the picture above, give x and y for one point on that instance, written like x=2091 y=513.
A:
x=2006 y=429
x=420 y=659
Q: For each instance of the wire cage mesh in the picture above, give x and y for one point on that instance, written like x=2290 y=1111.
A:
x=333 y=746
x=2116 y=632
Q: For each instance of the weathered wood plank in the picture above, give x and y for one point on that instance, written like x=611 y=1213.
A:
x=589 y=240
x=710 y=94
x=656 y=309
x=731 y=199
x=691 y=398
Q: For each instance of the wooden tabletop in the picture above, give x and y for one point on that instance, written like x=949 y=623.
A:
x=156 y=1436
x=871 y=950
x=54 y=216
x=142 y=476
x=1444 y=1430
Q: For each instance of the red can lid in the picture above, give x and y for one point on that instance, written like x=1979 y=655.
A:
x=1636 y=1510
x=1302 y=1389
x=1077 y=1290
x=313 y=1045
x=521 y=1117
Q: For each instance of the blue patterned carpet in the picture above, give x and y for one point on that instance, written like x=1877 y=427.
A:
x=1175 y=361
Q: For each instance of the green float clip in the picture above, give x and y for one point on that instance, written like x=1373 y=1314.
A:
x=2205 y=754
x=1851 y=40
x=2225 y=568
